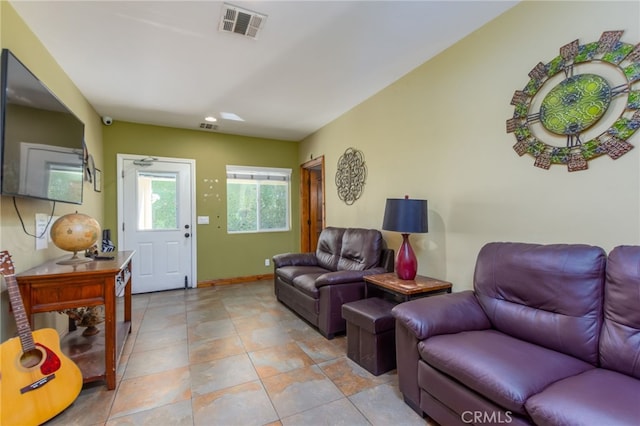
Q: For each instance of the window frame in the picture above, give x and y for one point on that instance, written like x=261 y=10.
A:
x=258 y=175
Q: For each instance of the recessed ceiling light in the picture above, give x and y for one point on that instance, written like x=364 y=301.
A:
x=230 y=116
x=210 y=119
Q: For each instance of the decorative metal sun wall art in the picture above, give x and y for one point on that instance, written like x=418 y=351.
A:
x=587 y=99
x=351 y=175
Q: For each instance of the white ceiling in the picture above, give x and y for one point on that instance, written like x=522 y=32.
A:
x=166 y=63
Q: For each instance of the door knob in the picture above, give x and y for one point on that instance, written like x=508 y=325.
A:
x=187 y=235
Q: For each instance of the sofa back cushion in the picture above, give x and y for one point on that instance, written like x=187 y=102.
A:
x=620 y=339
x=550 y=295
x=329 y=247
x=361 y=249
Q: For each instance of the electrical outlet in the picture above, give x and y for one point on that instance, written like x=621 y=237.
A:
x=267 y=262
x=43 y=226
x=41 y=231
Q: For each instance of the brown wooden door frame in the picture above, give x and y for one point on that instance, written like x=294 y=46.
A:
x=312 y=202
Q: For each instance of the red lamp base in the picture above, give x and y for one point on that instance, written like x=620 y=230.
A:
x=406 y=261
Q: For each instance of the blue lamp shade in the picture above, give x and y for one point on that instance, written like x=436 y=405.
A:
x=405 y=215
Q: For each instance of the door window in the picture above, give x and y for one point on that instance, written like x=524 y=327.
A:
x=157 y=201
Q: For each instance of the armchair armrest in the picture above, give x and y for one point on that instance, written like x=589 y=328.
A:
x=294 y=259
x=442 y=314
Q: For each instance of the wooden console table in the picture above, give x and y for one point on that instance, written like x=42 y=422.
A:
x=52 y=287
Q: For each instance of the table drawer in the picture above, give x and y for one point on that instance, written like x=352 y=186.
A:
x=45 y=298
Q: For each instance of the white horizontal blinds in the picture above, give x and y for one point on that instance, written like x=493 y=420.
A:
x=258 y=173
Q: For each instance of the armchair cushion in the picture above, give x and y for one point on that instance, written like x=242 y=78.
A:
x=595 y=397
x=504 y=369
x=620 y=340
x=550 y=295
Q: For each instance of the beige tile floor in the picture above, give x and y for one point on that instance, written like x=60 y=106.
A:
x=233 y=355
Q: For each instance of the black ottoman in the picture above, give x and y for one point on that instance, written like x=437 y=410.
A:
x=371 y=335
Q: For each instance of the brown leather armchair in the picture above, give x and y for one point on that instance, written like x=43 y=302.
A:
x=316 y=285
x=550 y=335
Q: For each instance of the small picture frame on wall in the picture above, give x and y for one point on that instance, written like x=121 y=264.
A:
x=97 y=180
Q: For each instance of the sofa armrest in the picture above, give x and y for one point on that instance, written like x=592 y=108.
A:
x=295 y=259
x=339 y=277
x=346 y=276
x=387 y=260
x=442 y=314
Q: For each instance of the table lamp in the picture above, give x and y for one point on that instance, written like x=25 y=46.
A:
x=407 y=216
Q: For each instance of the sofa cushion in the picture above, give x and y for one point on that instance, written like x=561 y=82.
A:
x=550 y=295
x=620 y=339
x=504 y=369
x=289 y=273
x=595 y=397
x=307 y=283
x=360 y=249
x=329 y=247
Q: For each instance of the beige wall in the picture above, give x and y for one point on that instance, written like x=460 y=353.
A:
x=439 y=134
x=16 y=36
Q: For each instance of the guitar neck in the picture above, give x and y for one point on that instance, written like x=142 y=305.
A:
x=19 y=313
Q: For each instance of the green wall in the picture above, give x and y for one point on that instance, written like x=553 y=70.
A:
x=220 y=255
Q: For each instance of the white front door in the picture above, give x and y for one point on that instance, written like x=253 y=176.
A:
x=155 y=216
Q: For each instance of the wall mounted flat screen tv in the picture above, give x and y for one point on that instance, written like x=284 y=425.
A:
x=42 y=140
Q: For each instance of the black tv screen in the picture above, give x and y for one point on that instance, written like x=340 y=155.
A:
x=42 y=140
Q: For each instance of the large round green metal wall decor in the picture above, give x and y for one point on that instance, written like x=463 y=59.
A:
x=582 y=104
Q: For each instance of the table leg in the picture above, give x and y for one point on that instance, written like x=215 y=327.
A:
x=127 y=296
x=110 y=331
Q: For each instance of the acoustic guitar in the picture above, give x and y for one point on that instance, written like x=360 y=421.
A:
x=37 y=381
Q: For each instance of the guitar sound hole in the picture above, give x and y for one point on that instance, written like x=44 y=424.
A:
x=31 y=358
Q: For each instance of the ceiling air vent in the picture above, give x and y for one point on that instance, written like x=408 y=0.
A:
x=241 y=21
x=208 y=126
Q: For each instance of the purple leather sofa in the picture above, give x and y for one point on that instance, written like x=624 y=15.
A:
x=316 y=285
x=550 y=335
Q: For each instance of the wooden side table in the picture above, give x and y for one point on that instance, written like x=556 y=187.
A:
x=52 y=287
x=404 y=290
